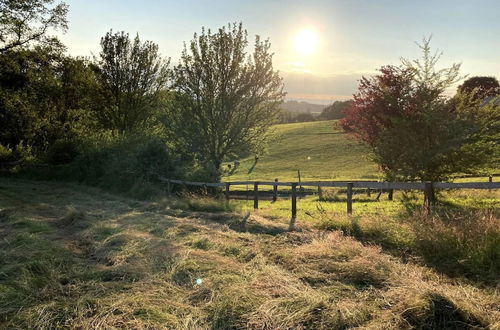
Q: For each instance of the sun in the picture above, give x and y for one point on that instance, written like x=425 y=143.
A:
x=305 y=42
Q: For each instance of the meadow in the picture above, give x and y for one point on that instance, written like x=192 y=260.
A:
x=76 y=257
x=319 y=150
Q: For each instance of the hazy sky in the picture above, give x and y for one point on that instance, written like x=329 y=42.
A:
x=352 y=37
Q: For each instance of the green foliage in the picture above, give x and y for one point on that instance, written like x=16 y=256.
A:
x=6 y=154
x=132 y=75
x=127 y=165
x=24 y=22
x=285 y=117
x=481 y=152
x=482 y=87
x=225 y=100
x=335 y=110
x=44 y=97
x=62 y=151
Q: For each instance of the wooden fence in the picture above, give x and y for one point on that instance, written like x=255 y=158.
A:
x=426 y=187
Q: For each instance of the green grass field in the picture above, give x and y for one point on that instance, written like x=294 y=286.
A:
x=75 y=257
x=319 y=149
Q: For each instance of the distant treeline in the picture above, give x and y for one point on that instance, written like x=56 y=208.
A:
x=331 y=112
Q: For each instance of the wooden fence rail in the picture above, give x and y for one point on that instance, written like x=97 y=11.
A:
x=427 y=187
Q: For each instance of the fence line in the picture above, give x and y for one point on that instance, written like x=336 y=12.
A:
x=427 y=187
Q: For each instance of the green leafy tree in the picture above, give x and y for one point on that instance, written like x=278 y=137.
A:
x=225 y=99
x=482 y=87
x=24 y=22
x=132 y=75
x=335 y=110
x=45 y=96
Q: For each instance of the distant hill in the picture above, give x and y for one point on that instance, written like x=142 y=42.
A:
x=301 y=106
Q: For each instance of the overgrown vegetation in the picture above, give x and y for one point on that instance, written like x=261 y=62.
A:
x=75 y=257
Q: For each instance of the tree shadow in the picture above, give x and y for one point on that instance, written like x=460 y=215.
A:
x=250 y=170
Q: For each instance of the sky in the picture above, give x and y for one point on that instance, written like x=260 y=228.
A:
x=322 y=48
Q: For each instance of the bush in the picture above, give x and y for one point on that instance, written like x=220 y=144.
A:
x=128 y=165
x=6 y=154
x=21 y=154
x=153 y=160
x=63 y=151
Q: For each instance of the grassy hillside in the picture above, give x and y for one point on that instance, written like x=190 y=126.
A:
x=75 y=257
x=318 y=149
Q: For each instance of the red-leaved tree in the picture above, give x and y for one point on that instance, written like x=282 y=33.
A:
x=414 y=132
x=380 y=99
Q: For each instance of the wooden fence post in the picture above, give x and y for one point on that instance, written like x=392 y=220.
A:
x=428 y=197
x=349 y=198
x=368 y=192
x=390 y=195
x=275 y=191
x=169 y=188
x=256 y=195
x=294 y=207
x=226 y=193
x=490 y=180
x=320 y=193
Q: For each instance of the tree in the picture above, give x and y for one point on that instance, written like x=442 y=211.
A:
x=335 y=110
x=225 y=100
x=133 y=75
x=483 y=87
x=414 y=132
x=45 y=96
x=23 y=22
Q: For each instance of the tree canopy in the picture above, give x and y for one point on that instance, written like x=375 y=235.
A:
x=335 y=110
x=225 y=99
x=24 y=22
x=482 y=87
x=132 y=74
x=414 y=131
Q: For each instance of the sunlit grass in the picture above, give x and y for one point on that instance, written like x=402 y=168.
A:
x=75 y=257
x=319 y=149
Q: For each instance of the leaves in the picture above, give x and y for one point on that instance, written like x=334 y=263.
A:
x=132 y=75
x=24 y=22
x=413 y=130
x=226 y=99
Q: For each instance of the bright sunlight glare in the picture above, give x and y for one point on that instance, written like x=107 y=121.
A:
x=305 y=42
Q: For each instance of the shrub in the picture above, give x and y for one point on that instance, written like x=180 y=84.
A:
x=6 y=154
x=153 y=159
x=128 y=165
x=63 y=151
